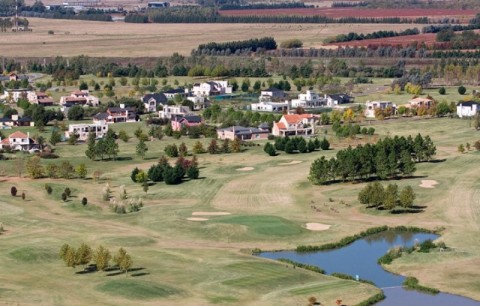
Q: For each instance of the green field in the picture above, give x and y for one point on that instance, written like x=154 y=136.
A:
x=178 y=261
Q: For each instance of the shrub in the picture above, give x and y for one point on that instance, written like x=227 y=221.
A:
x=13 y=191
x=67 y=191
x=193 y=173
x=462 y=90
x=51 y=32
x=64 y=197
x=134 y=173
x=291 y=43
x=48 y=188
x=84 y=201
x=171 y=150
x=442 y=91
x=23 y=195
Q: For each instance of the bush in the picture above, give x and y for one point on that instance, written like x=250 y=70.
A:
x=48 y=188
x=193 y=173
x=51 y=32
x=13 y=191
x=84 y=201
x=67 y=191
x=462 y=90
x=442 y=91
x=171 y=150
x=291 y=43
x=23 y=195
x=64 y=197
x=134 y=173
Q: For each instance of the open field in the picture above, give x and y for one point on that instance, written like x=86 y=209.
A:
x=112 y=39
x=209 y=262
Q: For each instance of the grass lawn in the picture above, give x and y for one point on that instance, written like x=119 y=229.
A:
x=178 y=261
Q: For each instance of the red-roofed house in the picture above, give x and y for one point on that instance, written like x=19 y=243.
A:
x=18 y=141
x=295 y=125
x=178 y=122
x=39 y=98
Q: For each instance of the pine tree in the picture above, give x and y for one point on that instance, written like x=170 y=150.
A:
x=212 y=147
x=134 y=173
x=198 y=148
x=141 y=148
x=236 y=145
x=406 y=165
x=311 y=146
x=182 y=149
x=91 y=152
x=226 y=146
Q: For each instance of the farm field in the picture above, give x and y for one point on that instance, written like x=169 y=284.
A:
x=208 y=262
x=357 y=12
x=112 y=39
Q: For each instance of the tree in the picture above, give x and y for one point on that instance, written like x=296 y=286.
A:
x=171 y=150
x=461 y=148
x=442 y=91
x=34 y=167
x=467 y=146
x=91 y=151
x=145 y=185
x=66 y=170
x=193 y=172
x=325 y=145
x=123 y=260
x=377 y=195
x=198 y=148
x=134 y=173
x=391 y=196
x=70 y=257
x=406 y=165
x=13 y=191
x=67 y=191
x=84 y=201
x=101 y=257
x=182 y=149
x=83 y=255
x=75 y=113
x=141 y=177
x=290 y=146
x=55 y=137
x=111 y=146
x=212 y=147
x=64 y=197
x=302 y=145
x=462 y=90
x=117 y=258
x=141 y=148
x=406 y=197
x=63 y=251
x=311 y=145
x=123 y=136
x=81 y=170
x=235 y=145
x=270 y=149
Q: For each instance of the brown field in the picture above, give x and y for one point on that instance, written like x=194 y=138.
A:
x=112 y=39
x=356 y=12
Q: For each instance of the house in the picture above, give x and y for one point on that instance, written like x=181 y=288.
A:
x=13 y=77
x=198 y=102
x=179 y=122
x=294 y=124
x=371 y=106
x=211 y=88
x=36 y=97
x=99 y=128
x=18 y=141
x=16 y=121
x=151 y=101
x=337 y=99
x=467 y=109
x=270 y=106
x=170 y=94
x=15 y=94
x=117 y=114
x=79 y=97
x=243 y=133
x=309 y=99
x=271 y=94
x=169 y=111
x=420 y=102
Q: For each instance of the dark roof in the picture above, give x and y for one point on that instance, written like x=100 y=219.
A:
x=193 y=118
x=25 y=119
x=340 y=97
x=5 y=119
x=468 y=103
x=273 y=89
x=117 y=109
x=264 y=126
x=158 y=97
x=241 y=130
x=101 y=116
x=175 y=91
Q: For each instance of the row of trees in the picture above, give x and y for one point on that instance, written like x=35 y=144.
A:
x=376 y=196
x=266 y=43
x=378 y=34
x=163 y=171
x=35 y=169
x=105 y=146
x=292 y=145
x=101 y=257
x=387 y=158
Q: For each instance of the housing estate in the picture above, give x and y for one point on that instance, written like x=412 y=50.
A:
x=294 y=124
x=211 y=88
x=467 y=109
x=117 y=114
x=179 y=122
x=99 y=129
x=372 y=106
x=271 y=94
x=243 y=133
x=152 y=101
x=18 y=141
x=79 y=97
x=310 y=99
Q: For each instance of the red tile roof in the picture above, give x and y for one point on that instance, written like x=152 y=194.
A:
x=280 y=125
x=296 y=118
x=18 y=134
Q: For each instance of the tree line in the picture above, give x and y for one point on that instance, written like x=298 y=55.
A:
x=388 y=158
x=104 y=147
x=263 y=6
x=378 y=34
x=291 y=145
x=374 y=195
x=266 y=43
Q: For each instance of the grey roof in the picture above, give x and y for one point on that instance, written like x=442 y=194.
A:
x=175 y=91
x=101 y=116
x=468 y=103
x=264 y=126
x=25 y=119
x=158 y=97
x=241 y=130
x=193 y=118
x=340 y=97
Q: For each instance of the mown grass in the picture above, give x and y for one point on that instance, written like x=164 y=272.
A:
x=137 y=289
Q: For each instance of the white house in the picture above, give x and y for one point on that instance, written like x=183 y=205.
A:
x=337 y=99
x=270 y=106
x=211 y=88
x=171 y=93
x=467 y=109
x=308 y=100
x=371 y=106
x=171 y=110
x=295 y=125
x=99 y=128
x=79 y=97
x=18 y=141
x=271 y=94
x=15 y=94
x=198 y=102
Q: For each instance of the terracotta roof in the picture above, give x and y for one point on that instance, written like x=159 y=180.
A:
x=75 y=99
x=418 y=100
x=18 y=134
x=79 y=93
x=280 y=125
x=296 y=118
x=5 y=141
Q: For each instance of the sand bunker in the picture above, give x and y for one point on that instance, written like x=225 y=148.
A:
x=428 y=184
x=245 y=169
x=210 y=213
x=317 y=226
x=197 y=219
x=293 y=162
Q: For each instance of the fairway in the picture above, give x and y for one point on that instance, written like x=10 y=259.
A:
x=177 y=261
x=118 y=39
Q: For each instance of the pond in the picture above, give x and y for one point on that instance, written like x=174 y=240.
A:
x=360 y=259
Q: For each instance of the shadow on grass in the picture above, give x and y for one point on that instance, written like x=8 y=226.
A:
x=139 y=274
x=88 y=269
x=122 y=158
x=115 y=273
x=406 y=211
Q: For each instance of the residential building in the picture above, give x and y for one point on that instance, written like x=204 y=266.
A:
x=211 y=88
x=79 y=97
x=179 y=122
x=243 y=133
x=198 y=102
x=309 y=99
x=420 y=102
x=467 y=109
x=15 y=94
x=15 y=120
x=294 y=124
x=170 y=94
x=169 y=111
x=270 y=106
x=337 y=99
x=271 y=94
x=371 y=106
x=38 y=97
x=117 y=114
x=99 y=128
x=151 y=101
x=18 y=141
